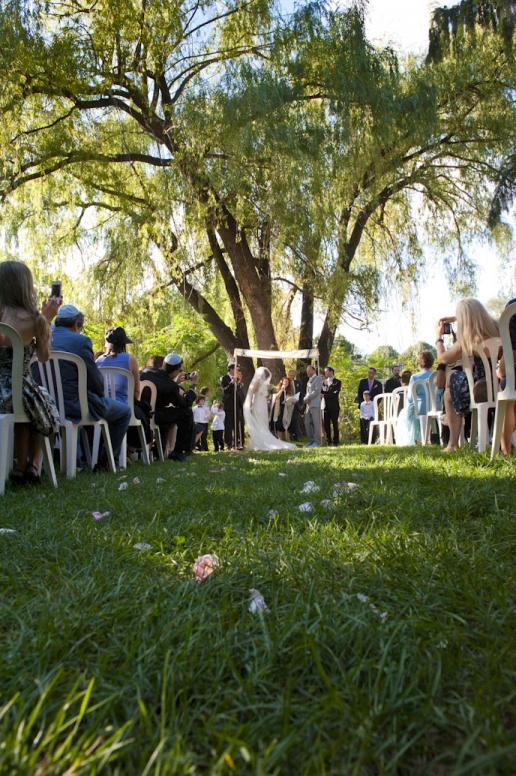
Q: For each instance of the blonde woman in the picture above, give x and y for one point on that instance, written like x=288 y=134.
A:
x=18 y=308
x=474 y=324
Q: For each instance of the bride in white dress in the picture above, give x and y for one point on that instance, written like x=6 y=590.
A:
x=256 y=415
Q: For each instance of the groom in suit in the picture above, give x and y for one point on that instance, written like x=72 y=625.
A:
x=312 y=402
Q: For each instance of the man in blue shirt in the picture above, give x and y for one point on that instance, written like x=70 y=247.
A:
x=67 y=336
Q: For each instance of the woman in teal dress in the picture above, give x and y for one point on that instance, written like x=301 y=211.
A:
x=408 y=430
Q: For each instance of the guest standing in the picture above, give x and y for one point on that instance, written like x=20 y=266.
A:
x=312 y=402
x=373 y=387
x=366 y=416
x=233 y=389
x=394 y=381
x=331 y=407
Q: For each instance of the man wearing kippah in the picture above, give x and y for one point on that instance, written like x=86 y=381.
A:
x=174 y=406
x=67 y=336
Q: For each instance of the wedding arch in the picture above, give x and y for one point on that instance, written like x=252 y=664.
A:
x=309 y=353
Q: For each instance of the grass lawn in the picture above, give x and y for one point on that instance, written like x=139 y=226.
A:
x=388 y=646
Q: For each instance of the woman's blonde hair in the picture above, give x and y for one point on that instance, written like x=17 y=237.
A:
x=17 y=291
x=474 y=324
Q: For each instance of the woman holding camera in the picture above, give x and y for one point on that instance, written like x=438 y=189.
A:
x=474 y=325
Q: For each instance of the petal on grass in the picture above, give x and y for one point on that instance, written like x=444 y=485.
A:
x=257 y=602
x=100 y=515
x=8 y=530
x=204 y=566
x=306 y=506
x=123 y=486
x=142 y=546
x=310 y=487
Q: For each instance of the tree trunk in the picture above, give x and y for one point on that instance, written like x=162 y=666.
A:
x=306 y=327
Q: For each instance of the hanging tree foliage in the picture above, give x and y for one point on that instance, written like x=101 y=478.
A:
x=234 y=155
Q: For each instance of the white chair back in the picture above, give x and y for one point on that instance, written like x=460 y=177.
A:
x=492 y=346
x=50 y=376
x=17 y=371
x=432 y=394
x=398 y=393
x=421 y=382
x=508 y=355
x=109 y=375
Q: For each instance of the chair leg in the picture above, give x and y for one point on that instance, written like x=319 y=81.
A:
x=122 y=458
x=474 y=429
x=86 y=447
x=370 y=440
x=159 y=443
x=144 y=445
x=6 y=431
x=108 y=446
x=72 y=433
x=483 y=428
x=501 y=407
x=48 y=461
x=97 y=431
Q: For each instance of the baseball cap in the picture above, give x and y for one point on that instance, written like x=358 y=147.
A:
x=67 y=312
x=173 y=359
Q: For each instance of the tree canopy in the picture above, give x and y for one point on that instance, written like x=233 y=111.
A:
x=251 y=161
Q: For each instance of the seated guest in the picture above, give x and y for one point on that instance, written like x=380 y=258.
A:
x=153 y=364
x=174 y=405
x=474 y=325
x=67 y=336
x=366 y=416
x=217 y=427
x=405 y=380
x=509 y=424
x=407 y=425
x=116 y=355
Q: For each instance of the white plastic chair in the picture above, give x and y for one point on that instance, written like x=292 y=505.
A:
x=386 y=425
x=479 y=410
x=435 y=410
x=7 y=420
x=399 y=392
x=50 y=375
x=154 y=426
x=109 y=374
x=509 y=392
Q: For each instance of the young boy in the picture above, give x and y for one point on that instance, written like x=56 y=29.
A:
x=217 y=427
x=200 y=419
x=366 y=416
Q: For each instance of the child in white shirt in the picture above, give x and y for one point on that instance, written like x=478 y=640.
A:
x=217 y=427
x=200 y=419
x=366 y=416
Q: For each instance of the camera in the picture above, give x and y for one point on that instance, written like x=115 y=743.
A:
x=447 y=329
x=188 y=375
x=55 y=288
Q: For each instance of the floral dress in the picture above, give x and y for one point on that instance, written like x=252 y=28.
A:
x=37 y=403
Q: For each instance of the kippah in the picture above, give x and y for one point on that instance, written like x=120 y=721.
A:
x=173 y=359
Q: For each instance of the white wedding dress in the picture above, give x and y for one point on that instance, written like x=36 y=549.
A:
x=256 y=415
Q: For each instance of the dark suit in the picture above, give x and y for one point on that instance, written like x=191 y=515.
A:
x=173 y=407
x=231 y=388
x=115 y=412
x=391 y=384
x=364 y=386
x=331 y=410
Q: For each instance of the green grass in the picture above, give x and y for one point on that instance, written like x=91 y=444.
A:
x=114 y=660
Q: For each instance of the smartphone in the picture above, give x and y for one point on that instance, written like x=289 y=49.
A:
x=55 y=288
x=447 y=329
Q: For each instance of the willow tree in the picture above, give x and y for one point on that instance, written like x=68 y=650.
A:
x=234 y=143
